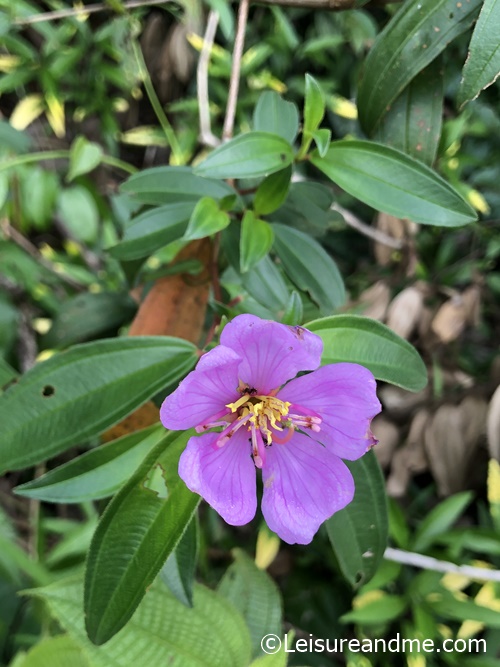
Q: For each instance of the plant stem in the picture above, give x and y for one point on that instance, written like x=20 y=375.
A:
x=167 y=128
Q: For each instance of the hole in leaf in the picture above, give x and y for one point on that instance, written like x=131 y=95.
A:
x=48 y=390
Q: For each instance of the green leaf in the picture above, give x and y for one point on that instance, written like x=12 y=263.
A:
x=395 y=183
x=84 y=156
x=364 y=341
x=79 y=393
x=310 y=267
x=275 y=115
x=266 y=284
x=142 y=525
x=7 y=373
x=256 y=240
x=96 y=474
x=465 y=610
x=153 y=229
x=272 y=192
x=88 y=315
x=255 y=595
x=162 y=631
x=314 y=105
x=206 y=219
x=383 y=610
x=482 y=66
x=359 y=532
x=294 y=310
x=180 y=567
x=79 y=213
x=59 y=651
x=307 y=207
x=250 y=155
x=439 y=519
x=418 y=32
x=413 y=123
x=322 y=139
x=165 y=185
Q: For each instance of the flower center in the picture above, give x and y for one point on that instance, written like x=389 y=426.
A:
x=262 y=416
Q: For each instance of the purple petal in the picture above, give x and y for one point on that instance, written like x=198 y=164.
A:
x=272 y=353
x=344 y=396
x=304 y=484
x=204 y=392
x=223 y=476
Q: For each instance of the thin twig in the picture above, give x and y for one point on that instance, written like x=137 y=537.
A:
x=334 y=5
x=27 y=348
x=88 y=9
x=234 y=83
x=365 y=229
x=11 y=233
x=206 y=136
x=428 y=563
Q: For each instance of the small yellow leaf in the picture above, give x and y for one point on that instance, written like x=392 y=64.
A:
x=477 y=201
x=26 y=111
x=268 y=545
x=8 y=62
x=343 y=107
x=55 y=115
x=494 y=482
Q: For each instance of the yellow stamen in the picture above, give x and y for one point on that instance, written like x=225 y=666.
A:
x=263 y=412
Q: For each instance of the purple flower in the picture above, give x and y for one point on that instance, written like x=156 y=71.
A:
x=295 y=430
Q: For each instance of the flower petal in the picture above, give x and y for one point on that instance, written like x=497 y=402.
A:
x=344 y=396
x=272 y=353
x=204 y=392
x=304 y=484
x=223 y=476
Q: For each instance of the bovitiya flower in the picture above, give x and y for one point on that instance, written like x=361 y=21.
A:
x=251 y=413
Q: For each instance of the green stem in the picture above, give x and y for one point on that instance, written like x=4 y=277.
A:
x=65 y=155
x=157 y=107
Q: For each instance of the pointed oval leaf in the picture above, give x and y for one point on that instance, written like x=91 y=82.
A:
x=364 y=341
x=266 y=284
x=272 y=192
x=418 y=32
x=207 y=218
x=164 y=185
x=79 y=393
x=482 y=67
x=359 y=532
x=314 y=105
x=139 y=529
x=96 y=474
x=392 y=182
x=310 y=267
x=250 y=155
x=153 y=229
x=84 y=156
x=413 y=123
x=256 y=240
x=275 y=115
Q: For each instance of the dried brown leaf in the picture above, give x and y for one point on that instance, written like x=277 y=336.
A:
x=387 y=434
x=411 y=458
x=450 y=319
x=451 y=443
x=405 y=311
x=375 y=300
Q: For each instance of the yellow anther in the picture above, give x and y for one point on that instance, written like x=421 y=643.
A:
x=261 y=412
